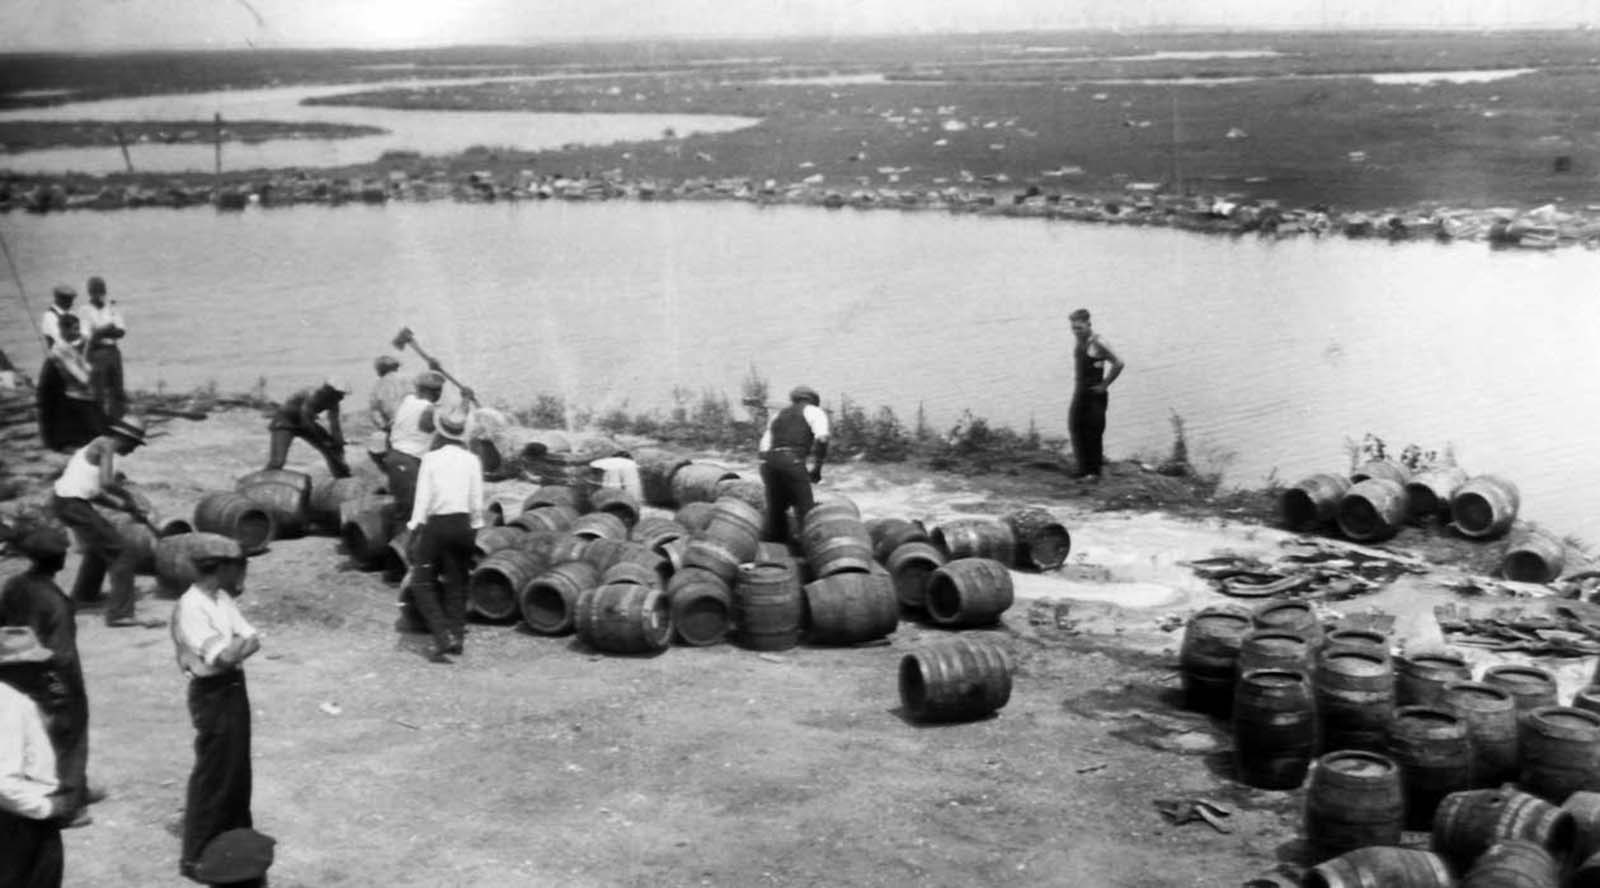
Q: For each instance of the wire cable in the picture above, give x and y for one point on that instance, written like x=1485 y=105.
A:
x=23 y=292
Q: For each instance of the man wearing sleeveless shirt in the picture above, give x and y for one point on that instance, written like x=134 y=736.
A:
x=91 y=479
x=1086 y=418
x=410 y=438
x=793 y=433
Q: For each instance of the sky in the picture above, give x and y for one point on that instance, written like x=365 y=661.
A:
x=92 y=25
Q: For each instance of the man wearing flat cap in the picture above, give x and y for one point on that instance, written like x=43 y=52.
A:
x=32 y=599
x=91 y=479
x=212 y=640
x=794 y=433
x=410 y=438
x=50 y=325
x=387 y=394
x=32 y=807
x=297 y=416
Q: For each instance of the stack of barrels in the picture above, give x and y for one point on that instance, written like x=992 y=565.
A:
x=1502 y=775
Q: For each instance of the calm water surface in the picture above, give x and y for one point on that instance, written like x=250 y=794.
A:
x=1273 y=353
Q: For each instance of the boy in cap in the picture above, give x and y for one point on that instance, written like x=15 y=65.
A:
x=90 y=479
x=793 y=433
x=103 y=327
x=50 y=324
x=212 y=640
x=1096 y=366
x=445 y=517
x=32 y=599
x=297 y=418
x=32 y=809
x=390 y=390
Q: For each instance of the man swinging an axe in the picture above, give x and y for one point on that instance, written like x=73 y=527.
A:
x=411 y=433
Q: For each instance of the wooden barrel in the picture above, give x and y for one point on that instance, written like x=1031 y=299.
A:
x=1586 y=874
x=1485 y=507
x=1431 y=746
x=702 y=606
x=693 y=516
x=632 y=572
x=835 y=542
x=1420 y=678
x=1560 y=752
x=911 y=566
x=1429 y=492
x=1354 y=638
x=1583 y=807
x=599 y=526
x=1355 y=700
x=558 y=547
x=1533 y=558
x=1042 y=542
x=1354 y=800
x=624 y=618
x=397 y=556
x=495 y=586
x=850 y=608
x=489 y=540
x=329 y=494
x=366 y=537
x=1381 y=469
x=235 y=515
x=174 y=557
x=553 y=495
x=1312 y=503
x=954 y=680
x=655 y=532
x=975 y=538
x=750 y=491
x=770 y=551
x=656 y=468
x=1208 y=658
x=139 y=538
x=730 y=538
x=606 y=554
x=1530 y=686
x=1274 y=728
x=293 y=478
x=502 y=509
x=889 y=534
x=830 y=502
x=1290 y=616
x=1373 y=509
x=1491 y=716
x=616 y=501
x=969 y=592
x=1274 y=649
x=697 y=482
x=286 y=502
x=548 y=602
x=1467 y=823
x=1587 y=698
x=353 y=507
x=546 y=518
x=768 y=608
x=1513 y=863
x=1382 y=866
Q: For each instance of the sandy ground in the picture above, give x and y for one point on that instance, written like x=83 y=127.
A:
x=534 y=761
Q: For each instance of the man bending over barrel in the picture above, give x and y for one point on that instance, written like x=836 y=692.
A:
x=297 y=418
x=794 y=432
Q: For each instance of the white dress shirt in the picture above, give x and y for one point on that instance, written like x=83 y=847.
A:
x=27 y=761
x=97 y=320
x=450 y=482
x=203 y=625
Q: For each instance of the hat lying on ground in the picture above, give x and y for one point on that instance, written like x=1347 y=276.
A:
x=805 y=393
x=237 y=855
x=451 y=425
x=385 y=363
x=432 y=380
x=130 y=427
x=19 y=644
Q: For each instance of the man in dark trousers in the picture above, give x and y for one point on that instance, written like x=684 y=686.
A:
x=444 y=520
x=32 y=809
x=212 y=641
x=297 y=418
x=33 y=599
x=1086 y=418
x=793 y=433
x=103 y=326
x=91 y=479
x=410 y=438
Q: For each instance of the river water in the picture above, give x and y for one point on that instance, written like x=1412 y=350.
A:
x=1273 y=353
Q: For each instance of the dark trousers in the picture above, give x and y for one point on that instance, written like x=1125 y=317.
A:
x=1086 y=425
x=30 y=852
x=788 y=485
x=103 y=553
x=67 y=723
x=443 y=550
x=105 y=380
x=401 y=469
x=219 y=786
x=278 y=451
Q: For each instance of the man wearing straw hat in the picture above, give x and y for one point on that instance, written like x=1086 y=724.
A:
x=32 y=807
x=795 y=432
x=444 y=521
x=91 y=479
x=297 y=418
x=212 y=641
x=32 y=599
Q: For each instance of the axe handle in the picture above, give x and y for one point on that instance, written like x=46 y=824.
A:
x=429 y=358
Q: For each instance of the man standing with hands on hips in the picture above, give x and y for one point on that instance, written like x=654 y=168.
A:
x=795 y=432
x=1086 y=418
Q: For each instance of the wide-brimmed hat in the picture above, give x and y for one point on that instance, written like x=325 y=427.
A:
x=430 y=380
x=805 y=393
x=20 y=645
x=237 y=855
x=64 y=291
x=385 y=363
x=451 y=425
x=130 y=427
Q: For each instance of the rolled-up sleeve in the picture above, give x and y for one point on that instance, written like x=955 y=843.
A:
x=817 y=419
x=24 y=787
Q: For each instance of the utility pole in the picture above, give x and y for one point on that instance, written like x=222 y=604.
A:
x=1177 y=167
x=123 y=144
x=218 y=139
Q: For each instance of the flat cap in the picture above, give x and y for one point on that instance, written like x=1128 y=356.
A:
x=805 y=393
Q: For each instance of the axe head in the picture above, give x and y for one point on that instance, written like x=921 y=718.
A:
x=403 y=338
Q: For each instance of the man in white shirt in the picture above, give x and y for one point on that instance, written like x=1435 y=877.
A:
x=387 y=394
x=50 y=324
x=411 y=436
x=445 y=517
x=103 y=326
x=32 y=808
x=91 y=479
x=212 y=641
x=793 y=433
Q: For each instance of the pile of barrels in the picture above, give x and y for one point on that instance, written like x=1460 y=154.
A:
x=1506 y=778
x=1380 y=497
